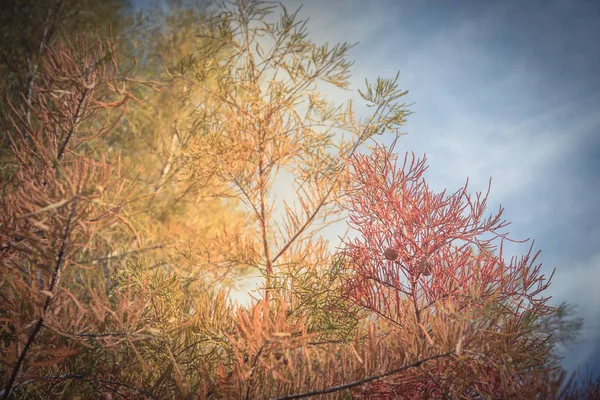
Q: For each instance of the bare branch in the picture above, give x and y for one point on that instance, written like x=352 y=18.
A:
x=365 y=380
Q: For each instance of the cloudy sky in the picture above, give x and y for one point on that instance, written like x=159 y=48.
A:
x=502 y=89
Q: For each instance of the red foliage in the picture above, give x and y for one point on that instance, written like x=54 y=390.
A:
x=428 y=263
x=418 y=245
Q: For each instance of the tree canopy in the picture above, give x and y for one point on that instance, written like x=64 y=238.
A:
x=142 y=161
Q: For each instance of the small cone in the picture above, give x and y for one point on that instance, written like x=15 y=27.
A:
x=390 y=254
x=424 y=267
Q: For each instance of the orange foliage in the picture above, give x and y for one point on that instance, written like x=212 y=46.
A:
x=421 y=304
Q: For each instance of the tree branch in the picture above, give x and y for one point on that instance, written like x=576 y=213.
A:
x=40 y=322
x=365 y=380
x=85 y=378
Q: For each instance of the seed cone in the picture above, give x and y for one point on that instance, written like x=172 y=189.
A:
x=424 y=267
x=390 y=254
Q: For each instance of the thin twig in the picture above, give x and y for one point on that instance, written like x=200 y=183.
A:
x=85 y=378
x=99 y=335
x=365 y=380
x=129 y=253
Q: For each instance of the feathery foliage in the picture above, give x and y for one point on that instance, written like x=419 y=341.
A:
x=145 y=175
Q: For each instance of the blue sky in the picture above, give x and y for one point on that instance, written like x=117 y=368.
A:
x=502 y=89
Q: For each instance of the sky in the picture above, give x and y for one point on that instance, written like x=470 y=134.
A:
x=502 y=89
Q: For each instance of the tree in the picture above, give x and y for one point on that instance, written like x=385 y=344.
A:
x=60 y=205
x=126 y=227
x=264 y=116
x=426 y=260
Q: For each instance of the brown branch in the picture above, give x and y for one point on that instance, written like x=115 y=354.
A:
x=325 y=198
x=263 y=228
x=365 y=380
x=11 y=381
x=99 y=335
x=128 y=253
x=59 y=262
x=89 y=379
x=75 y=122
x=48 y=28
x=254 y=365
